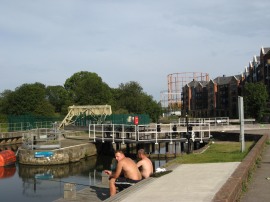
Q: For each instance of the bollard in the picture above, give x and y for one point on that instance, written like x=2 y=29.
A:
x=69 y=191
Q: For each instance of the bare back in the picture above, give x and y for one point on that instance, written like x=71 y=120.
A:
x=146 y=167
x=130 y=169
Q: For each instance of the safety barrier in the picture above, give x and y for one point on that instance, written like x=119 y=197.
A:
x=41 y=139
x=150 y=133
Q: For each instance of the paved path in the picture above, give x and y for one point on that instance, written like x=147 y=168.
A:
x=187 y=183
x=259 y=186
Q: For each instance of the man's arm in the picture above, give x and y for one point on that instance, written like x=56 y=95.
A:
x=117 y=171
x=140 y=163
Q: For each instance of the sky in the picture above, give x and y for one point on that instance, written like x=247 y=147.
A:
x=48 y=41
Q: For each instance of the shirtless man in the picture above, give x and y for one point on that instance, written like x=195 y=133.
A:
x=145 y=164
x=127 y=167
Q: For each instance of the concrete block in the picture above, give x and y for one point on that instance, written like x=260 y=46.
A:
x=69 y=191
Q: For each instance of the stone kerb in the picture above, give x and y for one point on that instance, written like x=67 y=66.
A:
x=232 y=189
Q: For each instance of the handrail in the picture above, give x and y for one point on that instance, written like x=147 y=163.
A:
x=143 y=133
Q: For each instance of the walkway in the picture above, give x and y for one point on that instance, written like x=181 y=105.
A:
x=187 y=183
x=259 y=187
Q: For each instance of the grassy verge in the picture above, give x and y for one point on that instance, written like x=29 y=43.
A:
x=216 y=152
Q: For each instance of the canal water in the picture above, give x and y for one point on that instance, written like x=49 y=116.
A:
x=46 y=183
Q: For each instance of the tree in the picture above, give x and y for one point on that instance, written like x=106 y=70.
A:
x=255 y=99
x=86 y=88
x=4 y=101
x=130 y=96
x=58 y=97
x=28 y=99
x=82 y=88
x=152 y=108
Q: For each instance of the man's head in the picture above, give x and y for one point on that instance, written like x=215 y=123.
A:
x=141 y=153
x=119 y=155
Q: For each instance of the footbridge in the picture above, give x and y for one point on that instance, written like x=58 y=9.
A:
x=196 y=130
x=99 y=112
x=152 y=133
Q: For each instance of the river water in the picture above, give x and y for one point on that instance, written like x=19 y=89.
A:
x=46 y=183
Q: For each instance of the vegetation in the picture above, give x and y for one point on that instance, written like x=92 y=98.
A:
x=255 y=100
x=217 y=152
x=87 y=88
x=82 y=88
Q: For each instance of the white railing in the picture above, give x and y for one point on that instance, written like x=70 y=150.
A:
x=41 y=139
x=112 y=131
x=149 y=133
x=212 y=121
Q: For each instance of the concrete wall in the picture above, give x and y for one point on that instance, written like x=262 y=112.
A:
x=9 y=138
x=60 y=156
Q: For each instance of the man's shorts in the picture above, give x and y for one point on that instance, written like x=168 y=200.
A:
x=123 y=183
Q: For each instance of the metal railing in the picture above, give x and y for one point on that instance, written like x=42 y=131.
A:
x=212 y=121
x=42 y=138
x=149 y=133
x=23 y=126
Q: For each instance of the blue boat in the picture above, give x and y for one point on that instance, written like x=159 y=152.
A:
x=41 y=154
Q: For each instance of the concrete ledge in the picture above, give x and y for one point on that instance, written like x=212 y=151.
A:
x=123 y=194
x=232 y=189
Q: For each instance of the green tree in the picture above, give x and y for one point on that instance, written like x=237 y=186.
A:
x=58 y=97
x=130 y=96
x=4 y=101
x=255 y=99
x=152 y=108
x=4 y=105
x=86 y=88
x=28 y=99
x=82 y=88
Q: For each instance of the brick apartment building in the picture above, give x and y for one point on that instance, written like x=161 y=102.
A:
x=219 y=97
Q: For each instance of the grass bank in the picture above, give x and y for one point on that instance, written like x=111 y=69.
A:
x=215 y=152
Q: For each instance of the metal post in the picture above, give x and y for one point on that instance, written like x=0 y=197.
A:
x=123 y=135
x=102 y=132
x=94 y=132
x=241 y=120
x=113 y=134
x=187 y=134
x=156 y=134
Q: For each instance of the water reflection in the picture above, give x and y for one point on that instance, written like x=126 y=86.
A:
x=6 y=172
x=46 y=183
x=58 y=171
